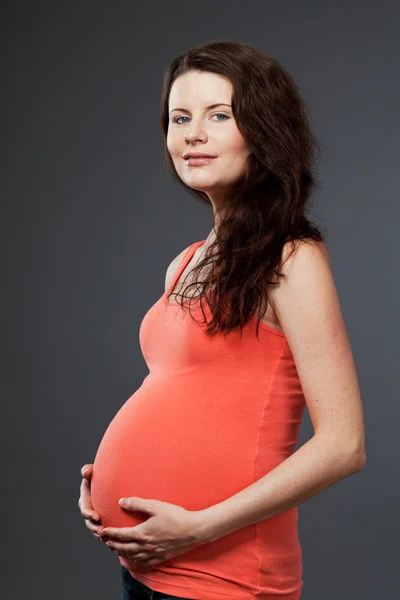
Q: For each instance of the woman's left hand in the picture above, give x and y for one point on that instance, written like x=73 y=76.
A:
x=170 y=531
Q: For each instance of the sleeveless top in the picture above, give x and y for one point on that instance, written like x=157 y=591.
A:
x=212 y=416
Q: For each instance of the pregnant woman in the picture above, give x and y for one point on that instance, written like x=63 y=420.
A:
x=247 y=334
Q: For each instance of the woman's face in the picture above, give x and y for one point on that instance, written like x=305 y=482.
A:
x=207 y=130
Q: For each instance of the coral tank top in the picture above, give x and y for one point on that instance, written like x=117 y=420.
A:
x=212 y=416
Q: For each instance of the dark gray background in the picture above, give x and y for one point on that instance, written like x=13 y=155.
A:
x=91 y=219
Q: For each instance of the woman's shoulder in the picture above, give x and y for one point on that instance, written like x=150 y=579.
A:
x=292 y=249
x=301 y=259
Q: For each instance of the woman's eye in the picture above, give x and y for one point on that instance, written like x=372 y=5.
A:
x=177 y=119
x=222 y=115
x=215 y=115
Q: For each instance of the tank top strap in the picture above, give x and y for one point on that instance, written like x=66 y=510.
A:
x=184 y=262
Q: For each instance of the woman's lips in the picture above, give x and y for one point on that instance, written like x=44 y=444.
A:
x=204 y=160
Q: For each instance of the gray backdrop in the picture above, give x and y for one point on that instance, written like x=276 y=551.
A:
x=91 y=219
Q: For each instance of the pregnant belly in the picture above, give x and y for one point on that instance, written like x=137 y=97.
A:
x=174 y=447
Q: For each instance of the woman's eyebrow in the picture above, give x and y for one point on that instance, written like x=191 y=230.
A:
x=211 y=106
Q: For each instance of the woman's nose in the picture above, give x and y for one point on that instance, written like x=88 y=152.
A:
x=195 y=132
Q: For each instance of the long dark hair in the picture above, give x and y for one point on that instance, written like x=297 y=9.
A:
x=267 y=208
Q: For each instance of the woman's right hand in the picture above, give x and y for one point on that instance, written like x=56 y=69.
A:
x=92 y=518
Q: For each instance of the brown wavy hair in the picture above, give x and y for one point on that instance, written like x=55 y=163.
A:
x=268 y=206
